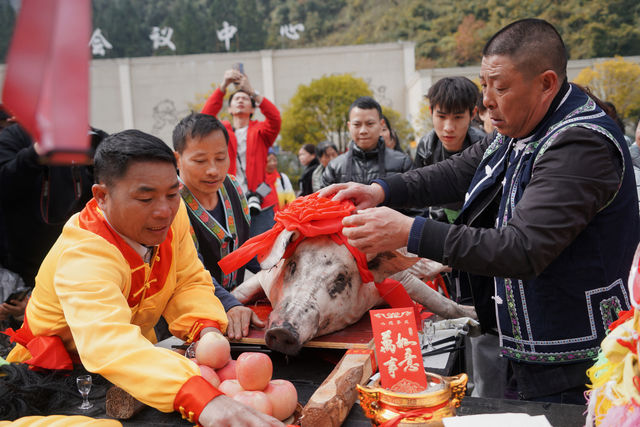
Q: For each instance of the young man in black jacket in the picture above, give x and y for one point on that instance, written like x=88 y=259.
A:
x=452 y=102
x=367 y=157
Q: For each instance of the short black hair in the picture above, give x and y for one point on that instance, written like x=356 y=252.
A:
x=118 y=151
x=196 y=125
x=253 y=101
x=97 y=136
x=309 y=148
x=533 y=44
x=323 y=146
x=366 y=103
x=453 y=95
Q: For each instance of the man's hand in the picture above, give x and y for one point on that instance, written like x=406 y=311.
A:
x=222 y=411
x=230 y=76
x=363 y=196
x=377 y=230
x=15 y=308
x=240 y=317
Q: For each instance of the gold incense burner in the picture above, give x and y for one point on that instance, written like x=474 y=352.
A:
x=427 y=408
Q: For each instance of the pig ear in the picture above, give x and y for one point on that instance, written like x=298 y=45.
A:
x=278 y=248
x=386 y=264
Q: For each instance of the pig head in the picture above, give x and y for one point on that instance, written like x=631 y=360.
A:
x=318 y=290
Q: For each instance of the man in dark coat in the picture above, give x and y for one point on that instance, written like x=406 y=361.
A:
x=550 y=220
x=367 y=157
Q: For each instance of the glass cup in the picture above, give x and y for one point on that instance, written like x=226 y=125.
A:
x=84 y=386
x=429 y=333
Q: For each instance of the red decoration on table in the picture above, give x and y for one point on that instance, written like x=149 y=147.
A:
x=398 y=350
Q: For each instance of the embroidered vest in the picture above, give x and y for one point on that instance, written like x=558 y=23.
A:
x=562 y=315
x=212 y=239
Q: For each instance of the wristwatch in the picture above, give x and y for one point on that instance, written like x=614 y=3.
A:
x=255 y=94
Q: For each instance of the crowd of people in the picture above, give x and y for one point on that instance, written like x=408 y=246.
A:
x=524 y=188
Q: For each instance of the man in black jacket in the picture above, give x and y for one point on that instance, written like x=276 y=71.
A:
x=36 y=200
x=549 y=224
x=367 y=157
x=452 y=103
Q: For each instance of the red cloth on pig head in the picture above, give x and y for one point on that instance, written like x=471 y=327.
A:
x=315 y=216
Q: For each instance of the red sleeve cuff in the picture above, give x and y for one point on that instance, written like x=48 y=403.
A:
x=193 y=397
x=199 y=325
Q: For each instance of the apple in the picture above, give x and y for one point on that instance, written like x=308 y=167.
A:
x=210 y=375
x=228 y=371
x=213 y=350
x=230 y=387
x=283 y=397
x=254 y=370
x=256 y=400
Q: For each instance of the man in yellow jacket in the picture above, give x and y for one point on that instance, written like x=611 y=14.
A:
x=125 y=260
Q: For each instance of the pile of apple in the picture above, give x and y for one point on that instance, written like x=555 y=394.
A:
x=247 y=379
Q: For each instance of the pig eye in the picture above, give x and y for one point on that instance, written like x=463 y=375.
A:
x=292 y=268
x=338 y=285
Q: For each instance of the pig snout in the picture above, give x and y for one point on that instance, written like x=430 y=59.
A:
x=290 y=327
x=284 y=339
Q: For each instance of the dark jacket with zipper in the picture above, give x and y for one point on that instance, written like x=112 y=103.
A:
x=362 y=166
x=37 y=200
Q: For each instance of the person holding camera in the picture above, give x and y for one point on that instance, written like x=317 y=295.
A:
x=249 y=142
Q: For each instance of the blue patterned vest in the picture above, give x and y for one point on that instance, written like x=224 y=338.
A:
x=562 y=315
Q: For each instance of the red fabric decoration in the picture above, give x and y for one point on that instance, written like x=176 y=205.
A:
x=193 y=397
x=47 y=82
x=47 y=352
x=197 y=327
x=315 y=216
x=310 y=215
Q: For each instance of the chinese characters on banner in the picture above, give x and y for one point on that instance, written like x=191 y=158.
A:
x=398 y=350
x=162 y=37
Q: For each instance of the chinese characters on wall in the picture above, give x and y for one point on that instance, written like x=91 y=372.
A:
x=161 y=37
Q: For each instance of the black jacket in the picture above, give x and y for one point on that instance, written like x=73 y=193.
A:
x=34 y=218
x=430 y=149
x=306 y=186
x=365 y=166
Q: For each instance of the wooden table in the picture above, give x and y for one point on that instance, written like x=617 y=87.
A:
x=307 y=371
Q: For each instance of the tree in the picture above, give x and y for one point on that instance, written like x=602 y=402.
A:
x=318 y=111
x=7 y=21
x=468 y=44
x=616 y=81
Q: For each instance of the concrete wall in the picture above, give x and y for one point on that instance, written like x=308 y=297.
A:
x=153 y=93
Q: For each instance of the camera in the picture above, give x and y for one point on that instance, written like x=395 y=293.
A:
x=255 y=198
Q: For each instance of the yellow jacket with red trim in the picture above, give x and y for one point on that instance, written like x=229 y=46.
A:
x=81 y=295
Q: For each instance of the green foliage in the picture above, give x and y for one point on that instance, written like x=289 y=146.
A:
x=7 y=19
x=446 y=33
x=318 y=111
x=616 y=81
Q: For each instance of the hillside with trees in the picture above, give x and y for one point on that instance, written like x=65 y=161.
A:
x=447 y=33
